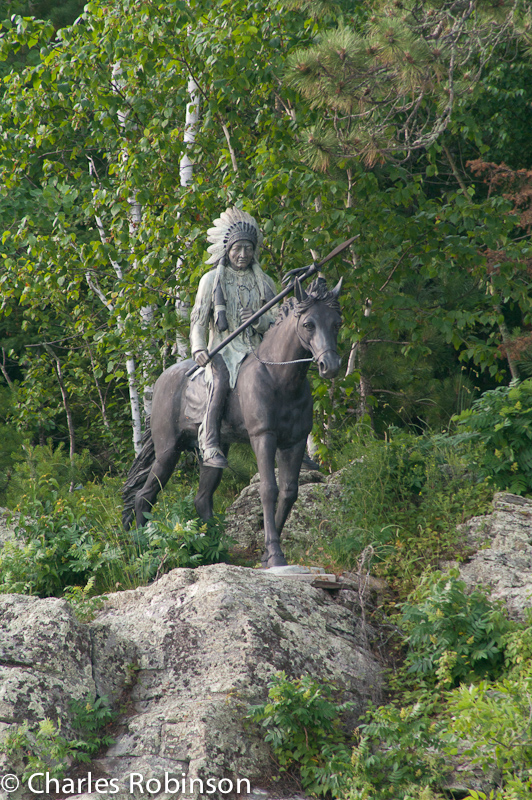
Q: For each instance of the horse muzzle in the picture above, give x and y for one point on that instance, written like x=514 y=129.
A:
x=329 y=364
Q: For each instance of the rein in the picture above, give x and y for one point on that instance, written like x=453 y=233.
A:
x=282 y=363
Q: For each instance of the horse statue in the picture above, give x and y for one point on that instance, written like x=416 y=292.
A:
x=270 y=406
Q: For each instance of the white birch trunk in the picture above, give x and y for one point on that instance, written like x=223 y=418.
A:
x=134 y=403
x=146 y=313
x=186 y=173
x=186 y=167
x=136 y=422
x=130 y=360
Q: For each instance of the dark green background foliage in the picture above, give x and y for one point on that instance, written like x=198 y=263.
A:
x=59 y=13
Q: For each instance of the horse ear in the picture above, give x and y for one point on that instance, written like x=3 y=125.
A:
x=337 y=289
x=299 y=292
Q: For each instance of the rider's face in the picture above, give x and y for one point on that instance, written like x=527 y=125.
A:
x=241 y=255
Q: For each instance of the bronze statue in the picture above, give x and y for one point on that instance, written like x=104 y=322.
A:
x=269 y=405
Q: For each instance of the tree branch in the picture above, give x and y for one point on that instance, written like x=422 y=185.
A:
x=4 y=370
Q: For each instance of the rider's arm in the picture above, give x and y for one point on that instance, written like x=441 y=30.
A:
x=201 y=315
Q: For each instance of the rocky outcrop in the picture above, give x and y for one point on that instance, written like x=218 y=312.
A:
x=7 y=526
x=317 y=496
x=503 y=559
x=185 y=657
x=45 y=659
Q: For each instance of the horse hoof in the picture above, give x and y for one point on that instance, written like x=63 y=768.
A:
x=277 y=560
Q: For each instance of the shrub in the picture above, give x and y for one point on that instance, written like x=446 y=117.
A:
x=90 y=718
x=174 y=537
x=303 y=724
x=453 y=636
x=42 y=470
x=53 y=550
x=44 y=749
x=84 y=605
x=495 y=722
x=69 y=545
x=501 y=420
x=399 y=755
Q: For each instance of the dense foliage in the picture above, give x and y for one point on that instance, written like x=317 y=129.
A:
x=73 y=544
x=454 y=636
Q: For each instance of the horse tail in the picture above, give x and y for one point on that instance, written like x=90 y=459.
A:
x=137 y=475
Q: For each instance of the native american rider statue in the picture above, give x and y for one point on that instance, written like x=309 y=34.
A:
x=228 y=296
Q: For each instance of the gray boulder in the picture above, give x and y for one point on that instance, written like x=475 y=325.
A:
x=503 y=559
x=184 y=658
x=45 y=659
x=45 y=664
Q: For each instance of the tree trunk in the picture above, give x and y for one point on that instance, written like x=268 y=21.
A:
x=506 y=342
x=186 y=167
x=5 y=373
x=68 y=412
x=100 y=394
x=186 y=173
x=365 y=389
x=505 y=339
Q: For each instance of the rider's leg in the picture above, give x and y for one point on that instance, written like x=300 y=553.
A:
x=210 y=436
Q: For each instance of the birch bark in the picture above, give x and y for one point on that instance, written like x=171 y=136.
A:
x=186 y=173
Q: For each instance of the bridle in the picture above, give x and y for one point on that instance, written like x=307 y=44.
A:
x=304 y=345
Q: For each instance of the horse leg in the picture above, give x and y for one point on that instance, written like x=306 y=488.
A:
x=160 y=472
x=289 y=463
x=209 y=481
x=264 y=447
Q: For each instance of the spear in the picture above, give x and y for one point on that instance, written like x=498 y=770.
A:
x=304 y=273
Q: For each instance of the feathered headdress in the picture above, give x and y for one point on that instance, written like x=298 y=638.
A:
x=233 y=225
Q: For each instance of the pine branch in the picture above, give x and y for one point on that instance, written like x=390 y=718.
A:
x=391 y=89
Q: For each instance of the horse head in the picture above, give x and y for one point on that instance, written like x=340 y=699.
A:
x=318 y=322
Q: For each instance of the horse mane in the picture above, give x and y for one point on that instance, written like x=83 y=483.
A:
x=316 y=292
